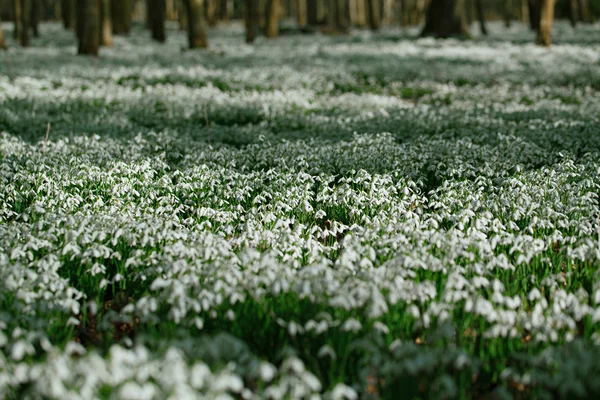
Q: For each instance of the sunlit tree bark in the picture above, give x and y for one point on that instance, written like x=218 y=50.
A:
x=301 y=9
x=88 y=27
x=546 y=20
x=272 y=11
x=196 y=34
x=212 y=8
x=524 y=11
x=388 y=11
x=171 y=13
x=361 y=13
x=106 y=38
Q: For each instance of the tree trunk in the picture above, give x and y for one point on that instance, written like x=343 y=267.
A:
x=311 y=12
x=404 y=13
x=262 y=16
x=584 y=10
x=272 y=21
x=183 y=16
x=25 y=22
x=343 y=20
x=301 y=8
x=446 y=18
x=17 y=19
x=534 y=14
x=332 y=14
x=524 y=11
x=35 y=17
x=212 y=8
x=573 y=12
x=388 y=11
x=196 y=35
x=121 y=16
x=337 y=16
x=224 y=10
x=546 y=19
x=88 y=26
x=421 y=7
x=508 y=12
x=251 y=19
x=157 y=10
x=361 y=13
x=2 y=43
x=171 y=14
x=481 y=16
x=67 y=10
x=106 y=38
x=374 y=14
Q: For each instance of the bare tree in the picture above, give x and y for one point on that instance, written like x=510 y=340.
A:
x=88 y=27
x=446 y=18
x=195 y=13
x=544 y=37
x=157 y=10
x=272 y=12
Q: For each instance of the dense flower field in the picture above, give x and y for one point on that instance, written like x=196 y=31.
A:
x=337 y=217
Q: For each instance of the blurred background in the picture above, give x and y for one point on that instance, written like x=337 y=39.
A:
x=94 y=22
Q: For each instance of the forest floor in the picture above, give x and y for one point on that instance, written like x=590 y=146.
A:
x=352 y=216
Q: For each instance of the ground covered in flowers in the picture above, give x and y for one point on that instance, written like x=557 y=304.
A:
x=339 y=217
